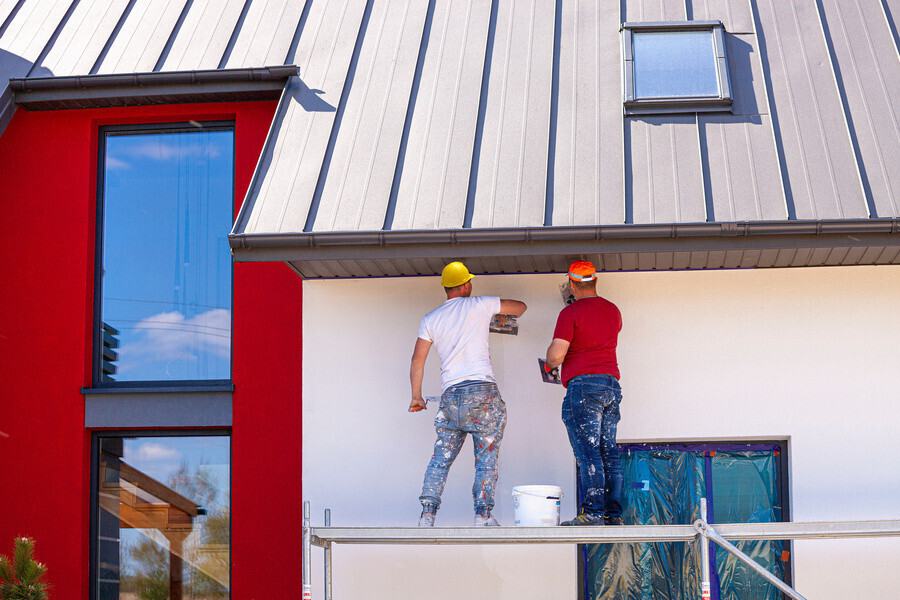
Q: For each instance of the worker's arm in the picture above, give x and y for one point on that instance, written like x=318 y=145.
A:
x=417 y=372
x=512 y=307
x=556 y=353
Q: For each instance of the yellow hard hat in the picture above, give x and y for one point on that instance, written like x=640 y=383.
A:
x=455 y=274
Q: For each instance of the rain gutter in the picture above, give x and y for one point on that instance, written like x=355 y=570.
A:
x=131 y=89
x=242 y=243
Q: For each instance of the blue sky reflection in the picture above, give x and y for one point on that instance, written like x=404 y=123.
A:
x=168 y=207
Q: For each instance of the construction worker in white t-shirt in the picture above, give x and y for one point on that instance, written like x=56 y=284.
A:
x=470 y=400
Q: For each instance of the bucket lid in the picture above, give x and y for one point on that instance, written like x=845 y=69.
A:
x=541 y=491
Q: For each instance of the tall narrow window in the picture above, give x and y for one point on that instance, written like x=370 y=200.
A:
x=165 y=267
x=162 y=517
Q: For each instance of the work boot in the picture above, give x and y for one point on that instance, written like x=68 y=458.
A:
x=486 y=521
x=426 y=519
x=613 y=520
x=483 y=518
x=584 y=519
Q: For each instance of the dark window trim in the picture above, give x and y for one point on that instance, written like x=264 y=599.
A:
x=674 y=105
x=158 y=387
x=163 y=385
x=94 y=502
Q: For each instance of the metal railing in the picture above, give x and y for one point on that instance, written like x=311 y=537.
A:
x=326 y=537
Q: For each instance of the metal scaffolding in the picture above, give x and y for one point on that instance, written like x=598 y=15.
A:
x=326 y=537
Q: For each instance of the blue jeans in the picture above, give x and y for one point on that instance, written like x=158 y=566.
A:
x=591 y=413
x=478 y=410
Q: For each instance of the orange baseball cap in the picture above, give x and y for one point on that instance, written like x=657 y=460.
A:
x=582 y=270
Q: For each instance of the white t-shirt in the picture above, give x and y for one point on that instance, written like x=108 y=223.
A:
x=458 y=328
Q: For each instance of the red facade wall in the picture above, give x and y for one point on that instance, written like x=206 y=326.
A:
x=48 y=167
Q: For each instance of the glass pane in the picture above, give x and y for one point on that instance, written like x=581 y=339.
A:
x=166 y=282
x=164 y=518
x=663 y=485
x=674 y=64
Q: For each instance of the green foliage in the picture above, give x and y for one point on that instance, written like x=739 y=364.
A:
x=20 y=578
x=151 y=578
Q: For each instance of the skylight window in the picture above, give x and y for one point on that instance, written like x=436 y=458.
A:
x=675 y=67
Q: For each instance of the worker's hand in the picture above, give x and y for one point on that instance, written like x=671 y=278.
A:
x=417 y=404
x=554 y=372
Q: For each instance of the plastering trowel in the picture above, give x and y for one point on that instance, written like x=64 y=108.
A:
x=505 y=324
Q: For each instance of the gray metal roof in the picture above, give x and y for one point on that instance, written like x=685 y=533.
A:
x=425 y=130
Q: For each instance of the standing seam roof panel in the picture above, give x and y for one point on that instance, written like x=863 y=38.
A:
x=204 y=35
x=140 y=43
x=866 y=57
x=290 y=164
x=746 y=75
x=30 y=30
x=667 y=180
x=361 y=171
x=6 y=8
x=83 y=37
x=589 y=187
x=434 y=181
x=267 y=33
x=735 y=16
x=517 y=119
x=820 y=161
x=655 y=10
x=745 y=179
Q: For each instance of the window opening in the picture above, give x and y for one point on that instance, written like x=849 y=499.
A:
x=675 y=67
x=743 y=483
x=165 y=274
x=161 y=517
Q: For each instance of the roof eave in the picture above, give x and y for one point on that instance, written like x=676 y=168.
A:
x=134 y=89
x=559 y=244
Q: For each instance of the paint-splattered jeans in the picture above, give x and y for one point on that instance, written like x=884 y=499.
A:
x=480 y=411
x=591 y=413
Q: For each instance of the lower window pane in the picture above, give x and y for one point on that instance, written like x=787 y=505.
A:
x=163 y=518
x=663 y=486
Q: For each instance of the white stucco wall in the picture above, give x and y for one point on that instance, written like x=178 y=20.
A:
x=809 y=355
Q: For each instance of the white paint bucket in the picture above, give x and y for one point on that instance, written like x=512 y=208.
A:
x=537 y=505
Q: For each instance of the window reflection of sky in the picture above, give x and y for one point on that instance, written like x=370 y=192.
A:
x=168 y=201
x=162 y=457
x=674 y=64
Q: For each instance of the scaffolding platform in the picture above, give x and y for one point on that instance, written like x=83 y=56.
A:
x=326 y=537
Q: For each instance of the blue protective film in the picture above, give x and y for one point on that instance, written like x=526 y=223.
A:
x=663 y=486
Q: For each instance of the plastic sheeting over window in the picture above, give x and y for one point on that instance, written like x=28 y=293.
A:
x=663 y=486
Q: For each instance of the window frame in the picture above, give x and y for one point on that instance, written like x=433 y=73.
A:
x=783 y=485
x=94 y=497
x=675 y=104
x=172 y=385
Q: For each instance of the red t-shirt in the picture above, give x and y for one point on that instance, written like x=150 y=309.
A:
x=591 y=326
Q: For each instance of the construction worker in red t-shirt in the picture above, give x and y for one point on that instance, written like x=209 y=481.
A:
x=584 y=343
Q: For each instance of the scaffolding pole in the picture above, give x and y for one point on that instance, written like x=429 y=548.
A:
x=326 y=537
x=307 y=552
x=708 y=533
x=705 y=587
